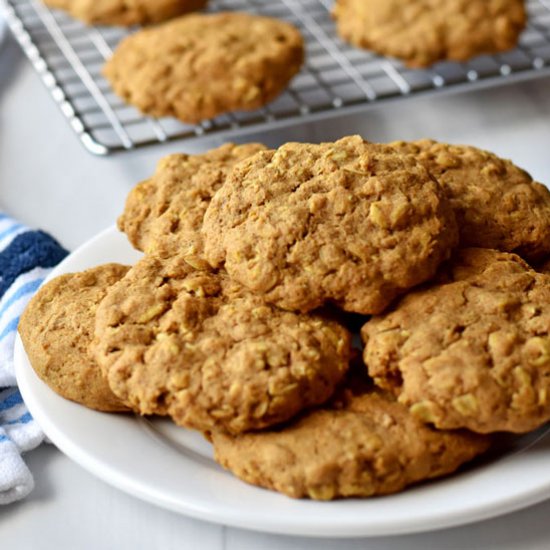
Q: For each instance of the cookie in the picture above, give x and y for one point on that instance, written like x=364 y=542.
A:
x=125 y=12
x=422 y=32
x=199 y=66
x=192 y=344
x=350 y=222
x=164 y=214
x=497 y=204
x=359 y=446
x=57 y=329
x=471 y=350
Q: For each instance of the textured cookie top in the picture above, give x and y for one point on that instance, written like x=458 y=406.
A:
x=348 y=222
x=471 y=351
x=421 y=32
x=497 y=205
x=191 y=344
x=57 y=329
x=164 y=213
x=198 y=66
x=363 y=445
x=125 y=12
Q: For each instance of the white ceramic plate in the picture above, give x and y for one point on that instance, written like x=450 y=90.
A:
x=172 y=467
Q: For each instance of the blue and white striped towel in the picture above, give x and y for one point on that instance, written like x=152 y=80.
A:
x=26 y=257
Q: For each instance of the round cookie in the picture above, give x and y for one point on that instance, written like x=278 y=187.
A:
x=189 y=343
x=421 y=32
x=164 y=214
x=125 y=12
x=497 y=205
x=471 y=350
x=350 y=222
x=358 y=446
x=199 y=66
x=57 y=329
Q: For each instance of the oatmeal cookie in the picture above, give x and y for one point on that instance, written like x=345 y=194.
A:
x=497 y=205
x=164 y=213
x=125 y=12
x=471 y=350
x=57 y=329
x=358 y=446
x=350 y=222
x=421 y=32
x=192 y=344
x=199 y=66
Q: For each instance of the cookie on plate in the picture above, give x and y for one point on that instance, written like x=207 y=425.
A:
x=421 y=32
x=471 y=350
x=57 y=329
x=360 y=445
x=497 y=205
x=350 y=223
x=125 y=12
x=192 y=344
x=164 y=213
x=199 y=66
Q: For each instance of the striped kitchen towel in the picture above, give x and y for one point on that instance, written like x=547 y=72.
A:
x=26 y=257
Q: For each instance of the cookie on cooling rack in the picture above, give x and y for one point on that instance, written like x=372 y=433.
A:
x=360 y=445
x=350 y=223
x=192 y=344
x=57 y=329
x=471 y=350
x=497 y=204
x=164 y=214
x=126 y=12
x=422 y=32
x=199 y=66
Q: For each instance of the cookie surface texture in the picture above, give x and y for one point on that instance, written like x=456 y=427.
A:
x=126 y=12
x=472 y=351
x=497 y=204
x=421 y=32
x=198 y=66
x=164 y=214
x=361 y=446
x=57 y=330
x=191 y=344
x=349 y=222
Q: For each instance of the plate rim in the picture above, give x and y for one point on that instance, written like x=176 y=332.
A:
x=347 y=526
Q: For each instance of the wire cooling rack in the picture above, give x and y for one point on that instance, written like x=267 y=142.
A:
x=336 y=79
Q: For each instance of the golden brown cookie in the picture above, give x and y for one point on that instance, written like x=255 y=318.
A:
x=191 y=344
x=164 y=213
x=421 y=32
x=125 y=12
x=497 y=205
x=349 y=222
x=471 y=350
x=199 y=66
x=358 y=446
x=57 y=329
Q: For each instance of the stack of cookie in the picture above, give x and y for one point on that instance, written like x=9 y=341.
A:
x=258 y=267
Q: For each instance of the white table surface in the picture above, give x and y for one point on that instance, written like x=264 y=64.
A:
x=48 y=180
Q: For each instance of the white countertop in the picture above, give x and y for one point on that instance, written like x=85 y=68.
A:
x=49 y=181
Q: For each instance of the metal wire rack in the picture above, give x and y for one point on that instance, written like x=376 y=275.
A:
x=336 y=78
